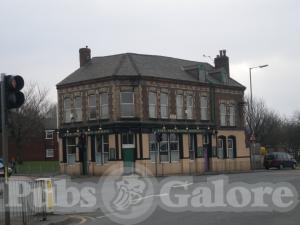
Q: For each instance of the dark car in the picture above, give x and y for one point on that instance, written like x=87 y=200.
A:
x=2 y=169
x=279 y=160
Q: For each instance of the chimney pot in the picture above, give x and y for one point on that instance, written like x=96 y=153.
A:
x=222 y=61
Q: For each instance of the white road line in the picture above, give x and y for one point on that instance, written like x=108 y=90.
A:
x=183 y=185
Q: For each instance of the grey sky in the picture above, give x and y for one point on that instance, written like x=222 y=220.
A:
x=40 y=39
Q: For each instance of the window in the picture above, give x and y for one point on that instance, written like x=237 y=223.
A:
x=179 y=106
x=102 y=149
x=231 y=115
x=174 y=147
x=192 y=146
x=127 y=104
x=152 y=104
x=128 y=138
x=189 y=107
x=203 y=107
x=104 y=105
x=227 y=114
x=78 y=108
x=164 y=104
x=92 y=112
x=169 y=148
x=223 y=114
x=153 y=147
x=49 y=134
x=230 y=148
x=71 y=150
x=49 y=153
x=164 y=149
x=67 y=110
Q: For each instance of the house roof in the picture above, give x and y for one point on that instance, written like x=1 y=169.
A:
x=132 y=64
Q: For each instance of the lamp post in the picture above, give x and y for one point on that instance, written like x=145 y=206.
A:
x=252 y=138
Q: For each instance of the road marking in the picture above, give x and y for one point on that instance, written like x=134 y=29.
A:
x=82 y=219
x=182 y=185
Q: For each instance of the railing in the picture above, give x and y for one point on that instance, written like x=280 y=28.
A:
x=27 y=201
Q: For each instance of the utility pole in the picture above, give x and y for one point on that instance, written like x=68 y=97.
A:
x=5 y=150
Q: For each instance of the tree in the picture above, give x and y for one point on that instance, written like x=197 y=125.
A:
x=27 y=122
x=264 y=123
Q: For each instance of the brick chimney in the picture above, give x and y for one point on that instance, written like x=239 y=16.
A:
x=222 y=61
x=84 y=55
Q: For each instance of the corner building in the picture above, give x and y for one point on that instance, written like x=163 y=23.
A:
x=172 y=116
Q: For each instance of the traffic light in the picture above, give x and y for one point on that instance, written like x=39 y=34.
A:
x=14 y=98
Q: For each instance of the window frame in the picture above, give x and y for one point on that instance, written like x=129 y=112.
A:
x=192 y=146
x=189 y=108
x=179 y=108
x=153 y=153
x=166 y=106
x=67 y=111
x=77 y=109
x=92 y=107
x=223 y=114
x=104 y=143
x=154 y=116
x=71 y=155
x=51 y=134
x=126 y=104
x=47 y=153
x=104 y=106
x=204 y=108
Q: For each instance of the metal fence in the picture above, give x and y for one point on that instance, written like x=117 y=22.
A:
x=26 y=201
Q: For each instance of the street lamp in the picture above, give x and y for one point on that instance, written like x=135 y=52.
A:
x=252 y=138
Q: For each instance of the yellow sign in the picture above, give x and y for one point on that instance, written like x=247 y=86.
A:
x=263 y=151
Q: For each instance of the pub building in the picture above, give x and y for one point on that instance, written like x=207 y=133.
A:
x=169 y=115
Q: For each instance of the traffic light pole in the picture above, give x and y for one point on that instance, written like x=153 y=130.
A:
x=5 y=150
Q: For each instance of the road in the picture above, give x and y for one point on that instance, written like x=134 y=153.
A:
x=161 y=216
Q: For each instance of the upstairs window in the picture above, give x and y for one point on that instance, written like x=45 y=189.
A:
x=127 y=104
x=67 y=110
x=231 y=115
x=104 y=105
x=179 y=106
x=78 y=108
x=92 y=112
x=49 y=134
x=152 y=104
x=223 y=114
x=204 y=107
x=189 y=107
x=227 y=115
x=164 y=104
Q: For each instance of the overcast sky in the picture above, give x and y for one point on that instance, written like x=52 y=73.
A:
x=39 y=39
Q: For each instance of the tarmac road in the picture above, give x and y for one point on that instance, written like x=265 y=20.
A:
x=161 y=216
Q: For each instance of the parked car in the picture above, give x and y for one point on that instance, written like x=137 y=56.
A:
x=2 y=169
x=279 y=160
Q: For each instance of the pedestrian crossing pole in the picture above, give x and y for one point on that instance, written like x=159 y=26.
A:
x=5 y=150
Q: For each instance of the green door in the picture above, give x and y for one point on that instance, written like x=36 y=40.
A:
x=128 y=159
